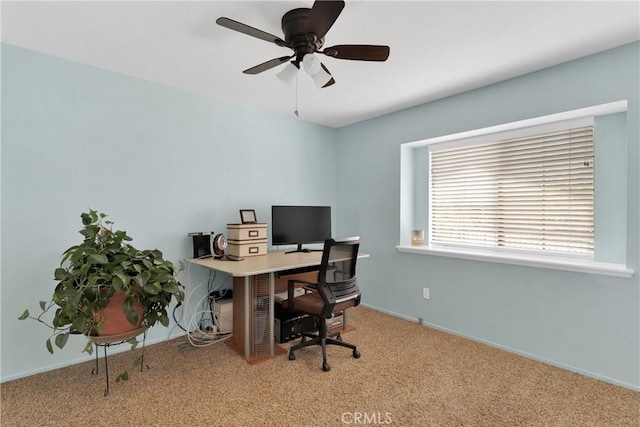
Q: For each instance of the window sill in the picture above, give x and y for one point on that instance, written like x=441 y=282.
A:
x=555 y=263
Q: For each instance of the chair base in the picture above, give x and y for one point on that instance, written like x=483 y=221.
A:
x=322 y=339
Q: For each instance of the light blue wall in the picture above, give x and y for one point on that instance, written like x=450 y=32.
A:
x=159 y=161
x=162 y=162
x=587 y=323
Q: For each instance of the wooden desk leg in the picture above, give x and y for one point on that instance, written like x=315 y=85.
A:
x=272 y=281
x=253 y=318
x=247 y=312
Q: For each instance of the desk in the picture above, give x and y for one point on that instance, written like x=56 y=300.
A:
x=254 y=281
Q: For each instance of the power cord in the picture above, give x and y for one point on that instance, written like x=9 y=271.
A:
x=202 y=329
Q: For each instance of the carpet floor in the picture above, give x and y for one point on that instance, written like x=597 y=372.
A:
x=408 y=375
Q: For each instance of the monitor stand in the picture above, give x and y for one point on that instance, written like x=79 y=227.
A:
x=299 y=249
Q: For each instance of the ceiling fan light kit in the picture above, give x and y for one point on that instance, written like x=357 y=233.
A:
x=288 y=75
x=304 y=31
x=313 y=67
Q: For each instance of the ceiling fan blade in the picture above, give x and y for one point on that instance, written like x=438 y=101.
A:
x=358 y=52
x=322 y=16
x=250 y=31
x=267 y=65
x=330 y=82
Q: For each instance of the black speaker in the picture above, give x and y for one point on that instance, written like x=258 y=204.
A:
x=202 y=244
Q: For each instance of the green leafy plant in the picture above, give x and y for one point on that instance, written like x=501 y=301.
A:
x=90 y=273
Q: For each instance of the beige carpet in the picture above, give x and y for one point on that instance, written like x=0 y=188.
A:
x=408 y=375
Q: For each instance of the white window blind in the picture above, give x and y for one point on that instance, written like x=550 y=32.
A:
x=533 y=193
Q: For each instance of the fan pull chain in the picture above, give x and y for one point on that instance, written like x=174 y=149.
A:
x=296 y=110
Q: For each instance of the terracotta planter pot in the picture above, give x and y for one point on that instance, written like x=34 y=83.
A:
x=115 y=321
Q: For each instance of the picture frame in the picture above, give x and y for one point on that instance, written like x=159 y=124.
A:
x=248 y=216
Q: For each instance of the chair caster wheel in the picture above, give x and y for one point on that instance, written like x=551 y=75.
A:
x=326 y=367
x=292 y=356
x=356 y=354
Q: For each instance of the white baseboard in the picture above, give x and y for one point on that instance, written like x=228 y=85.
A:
x=635 y=387
x=85 y=358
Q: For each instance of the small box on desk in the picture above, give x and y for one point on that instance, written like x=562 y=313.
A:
x=246 y=248
x=242 y=232
x=245 y=240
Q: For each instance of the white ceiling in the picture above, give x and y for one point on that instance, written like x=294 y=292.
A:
x=437 y=48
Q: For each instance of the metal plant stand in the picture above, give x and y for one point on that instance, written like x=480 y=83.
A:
x=111 y=340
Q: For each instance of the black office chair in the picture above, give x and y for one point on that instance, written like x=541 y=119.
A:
x=335 y=291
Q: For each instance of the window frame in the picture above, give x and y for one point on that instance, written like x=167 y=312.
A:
x=409 y=219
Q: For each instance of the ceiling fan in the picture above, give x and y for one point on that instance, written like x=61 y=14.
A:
x=304 y=31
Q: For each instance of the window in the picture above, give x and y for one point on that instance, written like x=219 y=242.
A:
x=533 y=192
x=545 y=192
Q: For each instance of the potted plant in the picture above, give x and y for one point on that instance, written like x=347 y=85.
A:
x=106 y=267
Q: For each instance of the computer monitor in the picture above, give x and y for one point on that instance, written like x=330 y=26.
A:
x=298 y=225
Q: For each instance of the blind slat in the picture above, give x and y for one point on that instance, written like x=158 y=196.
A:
x=534 y=192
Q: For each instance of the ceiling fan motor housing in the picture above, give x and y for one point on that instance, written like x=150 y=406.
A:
x=294 y=28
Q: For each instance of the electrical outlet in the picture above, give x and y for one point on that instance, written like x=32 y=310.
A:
x=425 y=293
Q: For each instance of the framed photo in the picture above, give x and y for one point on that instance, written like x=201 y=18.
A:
x=248 y=216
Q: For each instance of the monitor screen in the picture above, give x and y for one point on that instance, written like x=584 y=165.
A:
x=297 y=225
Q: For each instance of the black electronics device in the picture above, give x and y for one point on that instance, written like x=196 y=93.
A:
x=289 y=325
x=207 y=244
x=297 y=225
x=202 y=243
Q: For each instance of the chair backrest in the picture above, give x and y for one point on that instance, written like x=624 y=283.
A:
x=339 y=258
x=338 y=271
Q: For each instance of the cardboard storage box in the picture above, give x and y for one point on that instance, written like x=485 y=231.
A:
x=242 y=232
x=245 y=240
x=239 y=248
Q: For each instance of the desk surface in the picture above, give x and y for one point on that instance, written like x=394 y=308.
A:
x=271 y=262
